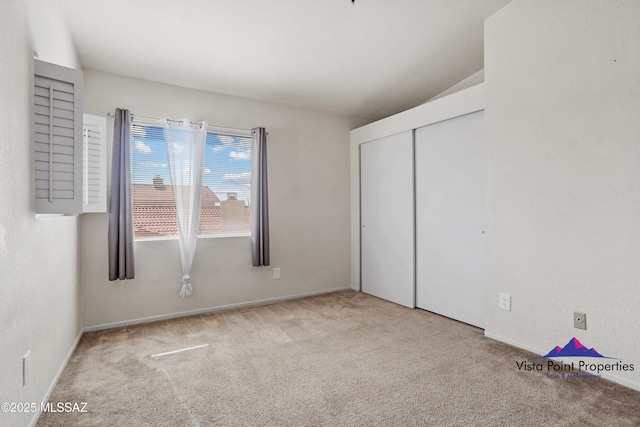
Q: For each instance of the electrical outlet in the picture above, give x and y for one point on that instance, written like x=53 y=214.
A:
x=505 y=302
x=580 y=320
x=276 y=273
x=25 y=368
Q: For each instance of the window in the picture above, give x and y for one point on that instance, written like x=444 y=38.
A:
x=225 y=191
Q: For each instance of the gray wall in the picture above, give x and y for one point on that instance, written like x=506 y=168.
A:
x=563 y=175
x=39 y=272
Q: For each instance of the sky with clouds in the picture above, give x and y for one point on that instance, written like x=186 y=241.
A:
x=227 y=161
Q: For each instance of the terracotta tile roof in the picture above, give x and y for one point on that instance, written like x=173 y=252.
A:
x=162 y=195
x=154 y=211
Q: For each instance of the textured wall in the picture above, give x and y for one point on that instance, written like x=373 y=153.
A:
x=49 y=33
x=39 y=275
x=309 y=210
x=563 y=155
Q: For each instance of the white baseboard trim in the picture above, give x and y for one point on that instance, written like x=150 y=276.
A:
x=622 y=381
x=36 y=415
x=207 y=310
x=513 y=343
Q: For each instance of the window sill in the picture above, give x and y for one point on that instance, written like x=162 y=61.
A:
x=201 y=236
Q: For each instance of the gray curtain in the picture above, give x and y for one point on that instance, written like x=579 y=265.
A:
x=259 y=198
x=121 y=259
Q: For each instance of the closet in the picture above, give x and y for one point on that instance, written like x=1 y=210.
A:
x=421 y=180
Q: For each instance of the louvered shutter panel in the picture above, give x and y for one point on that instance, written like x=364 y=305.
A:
x=94 y=137
x=58 y=139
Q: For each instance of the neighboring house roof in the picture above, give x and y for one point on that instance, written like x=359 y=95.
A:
x=154 y=211
x=162 y=195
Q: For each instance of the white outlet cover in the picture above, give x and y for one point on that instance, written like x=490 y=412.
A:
x=504 y=302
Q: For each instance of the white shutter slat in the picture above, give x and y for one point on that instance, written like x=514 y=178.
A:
x=57 y=149
x=57 y=175
x=60 y=135
x=63 y=185
x=94 y=174
x=64 y=159
x=43 y=166
x=60 y=85
x=57 y=122
x=57 y=139
x=66 y=196
x=43 y=110
x=60 y=106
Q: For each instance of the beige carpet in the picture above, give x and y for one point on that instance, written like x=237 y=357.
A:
x=341 y=359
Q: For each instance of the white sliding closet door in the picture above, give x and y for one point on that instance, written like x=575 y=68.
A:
x=450 y=193
x=387 y=219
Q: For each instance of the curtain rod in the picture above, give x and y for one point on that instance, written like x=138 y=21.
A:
x=181 y=122
x=222 y=129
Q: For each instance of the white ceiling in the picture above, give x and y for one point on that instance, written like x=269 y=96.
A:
x=369 y=59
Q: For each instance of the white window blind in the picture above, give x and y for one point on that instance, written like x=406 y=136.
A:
x=57 y=138
x=225 y=191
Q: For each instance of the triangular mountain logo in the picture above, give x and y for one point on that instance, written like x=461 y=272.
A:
x=574 y=348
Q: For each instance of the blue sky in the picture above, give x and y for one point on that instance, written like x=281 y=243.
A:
x=227 y=161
